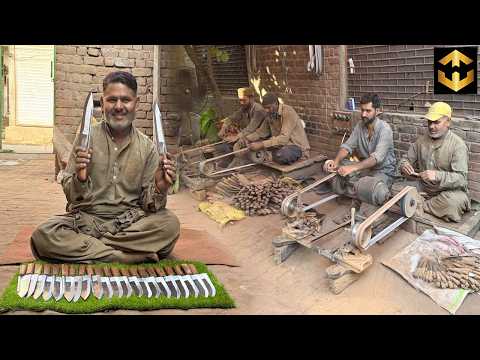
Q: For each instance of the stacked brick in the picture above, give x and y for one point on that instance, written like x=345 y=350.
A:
x=81 y=68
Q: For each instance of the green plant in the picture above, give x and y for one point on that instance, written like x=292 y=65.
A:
x=208 y=128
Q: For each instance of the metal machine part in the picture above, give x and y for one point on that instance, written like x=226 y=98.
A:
x=362 y=233
x=372 y=190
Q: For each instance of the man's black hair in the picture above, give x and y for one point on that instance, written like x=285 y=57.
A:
x=269 y=99
x=371 y=98
x=122 y=77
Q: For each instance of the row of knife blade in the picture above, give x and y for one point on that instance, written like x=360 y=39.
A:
x=80 y=281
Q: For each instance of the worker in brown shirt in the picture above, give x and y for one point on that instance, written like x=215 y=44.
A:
x=247 y=119
x=282 y=133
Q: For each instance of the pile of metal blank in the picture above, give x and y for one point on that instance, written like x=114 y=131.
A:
x=73 y=282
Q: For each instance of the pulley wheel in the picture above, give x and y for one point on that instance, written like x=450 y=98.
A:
x=258 y=157
x=408 y=204
x=363 y=242
x=289 y=207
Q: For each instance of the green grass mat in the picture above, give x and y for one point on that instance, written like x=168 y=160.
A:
x=10 y=301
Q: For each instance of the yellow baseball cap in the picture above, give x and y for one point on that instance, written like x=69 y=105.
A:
x=438 y=110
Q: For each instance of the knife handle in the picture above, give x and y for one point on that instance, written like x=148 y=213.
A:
x=98 y=271
x=159 y=271
x=90 y=270
x=150 y=271
x=193 y=268
x=38 y=269
x=178 y=270
x=81 y=270
x=47 y=269
x=22 y=270
x=64 y=270
x=186 y=269
x=107 y=271
x=30 y=268
x=72 y=270
x=169 y=270
x=115 y=272
x=142 y=272
x=55 y=269
x=134 y=271
x=124 y=272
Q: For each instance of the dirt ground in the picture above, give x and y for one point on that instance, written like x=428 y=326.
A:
x=29 y=195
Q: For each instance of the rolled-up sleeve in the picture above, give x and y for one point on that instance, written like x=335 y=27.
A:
x=385 y=142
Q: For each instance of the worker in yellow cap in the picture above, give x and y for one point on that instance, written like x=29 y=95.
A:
x=438 y=164
x=246 y=119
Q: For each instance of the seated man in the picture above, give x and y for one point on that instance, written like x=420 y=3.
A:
x=439 y=160
x=372 y=141
x=248 y=118
x=116 y=209
x=282 y=133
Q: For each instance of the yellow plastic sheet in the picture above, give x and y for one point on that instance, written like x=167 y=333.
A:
x=221 y=212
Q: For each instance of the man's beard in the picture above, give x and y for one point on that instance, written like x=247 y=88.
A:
x=366 y=121
x=119 y=125
x=438 y=135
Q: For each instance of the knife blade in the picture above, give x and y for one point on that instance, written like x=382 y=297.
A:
x=203 y=277
x=171 y=279
x=126 y=282
x=25 y=271
x=48 y=291
x=70 y=282
x=33 y=280
x=160 y=280
x=133 y=279
x=106 y=282
x=59 y=288
x=158 y=135
x=86 y=121
x=187 y=276
x=77 y=288
x=21 y=271
x=97 y=282
x=180 y=277
x=57 y=282
x=144 y=282
x=115 y=279
x=87 y=282
x=151 y=278
x=40 y=283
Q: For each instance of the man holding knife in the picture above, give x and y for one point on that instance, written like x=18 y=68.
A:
x=438 y=161
x=116 y=191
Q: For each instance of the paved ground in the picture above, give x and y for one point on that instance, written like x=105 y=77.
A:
x=29 y=195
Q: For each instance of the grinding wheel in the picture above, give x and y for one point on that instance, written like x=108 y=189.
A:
x=408 y=204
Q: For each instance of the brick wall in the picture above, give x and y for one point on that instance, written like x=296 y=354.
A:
x=283 y=69
x=81 y=68
x=397 y=72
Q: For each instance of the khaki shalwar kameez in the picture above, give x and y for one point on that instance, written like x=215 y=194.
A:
x=447 y=198
x=117 y=208
x=285 y=136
